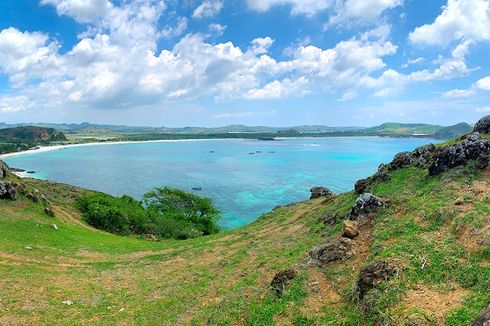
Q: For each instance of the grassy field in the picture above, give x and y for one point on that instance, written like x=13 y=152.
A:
x=437 y=229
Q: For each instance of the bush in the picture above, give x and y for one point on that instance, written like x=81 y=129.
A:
x=165 y=213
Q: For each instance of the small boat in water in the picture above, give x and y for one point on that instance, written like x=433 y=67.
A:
x=211 y=151
x=258 y=151
x=196 y=188
x=271 y=152
x=251 y=153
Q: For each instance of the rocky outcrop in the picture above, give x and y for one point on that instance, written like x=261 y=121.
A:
x=281 y=281
x=336 y=249
x=7 y=191
x=423 y=156
x=365 y=204
x=350 y=229
x=317 y=192
x=483 y=319
x=373 y=275
x=381 y=175
x=3 y=170
x=483 y=125
x=460 y=154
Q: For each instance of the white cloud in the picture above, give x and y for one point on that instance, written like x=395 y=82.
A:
x=176 y=30
x=484 y=83
x=458 y=93
x=217 y=29
x=411 y=62
x=459 y=20
x=361 y=10
x=308 y=7
x=484 y=109
x=340 y=11
x=208 y=9
x=84 y=11
x=261 y=45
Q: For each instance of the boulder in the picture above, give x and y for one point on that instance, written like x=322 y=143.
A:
x=401 y=160
x=7 y=191
x=350 y=229
x=336 y=249
x=381 y=175
x=365 y=204
x=317 y=192
x=3 y=170
x=32 y=197
x=21 y=188
x=483 y=125
x=281 y=281
x=460 y=154
x=49 y=211
x=373 y=275
x=483 y=319
x=423 y=156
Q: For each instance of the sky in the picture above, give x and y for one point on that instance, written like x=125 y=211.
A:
x=210 y=63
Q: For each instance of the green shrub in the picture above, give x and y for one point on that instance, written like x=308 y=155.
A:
x=165 y=213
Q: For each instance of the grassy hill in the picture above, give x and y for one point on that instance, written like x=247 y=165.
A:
x=31 y=134
x=433 y=230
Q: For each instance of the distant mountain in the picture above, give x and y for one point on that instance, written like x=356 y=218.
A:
x=31 y=134
x=393 y=128
x=453 y=131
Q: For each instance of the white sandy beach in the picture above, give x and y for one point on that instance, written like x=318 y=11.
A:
x=58 y=147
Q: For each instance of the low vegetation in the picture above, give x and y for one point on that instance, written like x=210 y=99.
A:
x=164 y=213
x=421 y=257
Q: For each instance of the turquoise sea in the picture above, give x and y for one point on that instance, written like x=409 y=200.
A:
x=242 y=185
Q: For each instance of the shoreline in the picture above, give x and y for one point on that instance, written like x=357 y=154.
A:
x=50 y=148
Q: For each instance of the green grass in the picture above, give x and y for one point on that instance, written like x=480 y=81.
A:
x=223 y=279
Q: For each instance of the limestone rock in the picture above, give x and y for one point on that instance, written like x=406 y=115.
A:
x=350 y=229
x=483 y=125
x=336 y=249
x=7 y=191
x=460 y=154
x=365 y=204
x=317 y=192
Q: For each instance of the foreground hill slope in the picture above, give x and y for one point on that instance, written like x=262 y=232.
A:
x=417 y=253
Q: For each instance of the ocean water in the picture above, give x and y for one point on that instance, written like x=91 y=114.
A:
x=242 y=185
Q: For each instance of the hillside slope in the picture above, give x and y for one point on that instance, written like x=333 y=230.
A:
x=421 y=256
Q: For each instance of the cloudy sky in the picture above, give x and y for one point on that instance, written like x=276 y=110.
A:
x=267 y=62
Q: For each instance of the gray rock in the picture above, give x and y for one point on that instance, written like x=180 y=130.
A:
x=3 y=170
x=317 y=192
x=336 y=249
x=50 y=212
x=460 y=154
x=483 y=319
x=475 y=136
x=32 y=197
x=7 y=191
x=365 y=204
x=483 y=125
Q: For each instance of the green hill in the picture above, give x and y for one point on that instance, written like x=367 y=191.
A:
x=417 y=253
x=31 y=134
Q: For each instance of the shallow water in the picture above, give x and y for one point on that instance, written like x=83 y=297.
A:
x=242 y=185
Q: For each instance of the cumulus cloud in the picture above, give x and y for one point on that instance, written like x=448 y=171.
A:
x=340 y=11
x=458 y=93
x=459 y=20
x=483 y=84
x=208 y=9
x=84 y=11
x=178 y=29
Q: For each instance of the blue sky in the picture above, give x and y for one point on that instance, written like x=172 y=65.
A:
x=256 y=62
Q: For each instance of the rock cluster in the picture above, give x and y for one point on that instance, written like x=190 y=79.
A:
x=336 y=249
x=373 y=275
x=3 y=170
x=483 y=319
x=317 y=192
x=350 y=229
x=365 y=204
x=483 y=125
x=281 y=281
x=460 y=154
x=7 y=191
